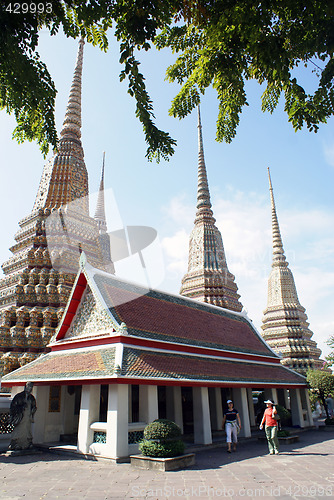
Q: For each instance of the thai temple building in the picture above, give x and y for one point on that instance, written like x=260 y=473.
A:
x=123 y=356
x=208 y=278
x=39 y=275
x=285 y=326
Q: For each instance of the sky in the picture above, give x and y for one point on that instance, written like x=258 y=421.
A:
x=163 y=196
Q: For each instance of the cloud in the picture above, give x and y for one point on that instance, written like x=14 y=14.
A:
x=179 y=210
x=245 y=223
x=329 y=153
x=176 y=252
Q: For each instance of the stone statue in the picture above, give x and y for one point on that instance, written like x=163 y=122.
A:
x=22 y=411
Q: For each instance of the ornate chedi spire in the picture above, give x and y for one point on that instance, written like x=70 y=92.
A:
x=101 y=221
x=100 y=213
x=208 y=278
x=64 y=177
x=33 y=293
x=285 y=326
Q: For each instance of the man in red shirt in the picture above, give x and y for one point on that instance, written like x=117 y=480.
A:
x=270 y=427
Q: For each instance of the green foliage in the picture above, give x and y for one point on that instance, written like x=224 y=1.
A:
x=330 y=357
x=285 y=416
x=233 y=42
x=26 y=87
x=219 y=43
x=313 y=399
x=162 y=429
x=283 y=433
x=321 y=383
x=162 y=439
x=163 y=450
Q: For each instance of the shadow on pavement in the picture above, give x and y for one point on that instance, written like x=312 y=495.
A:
x=206 y=457
x=43 y=456
x=218 y=456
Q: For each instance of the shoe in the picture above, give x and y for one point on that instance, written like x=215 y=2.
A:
x=276 y=452
x=229 y=451
x=271 y=453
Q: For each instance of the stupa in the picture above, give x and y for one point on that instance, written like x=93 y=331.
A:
x=285 y=323
x=124 y=355
x=40 y=273
x=208 y=278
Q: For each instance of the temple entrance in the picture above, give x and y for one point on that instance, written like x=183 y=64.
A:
x=187 y=410
x=162 y=401
x=71 y=400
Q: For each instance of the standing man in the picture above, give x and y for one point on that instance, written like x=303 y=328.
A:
x=231 y=421
x=270 y=427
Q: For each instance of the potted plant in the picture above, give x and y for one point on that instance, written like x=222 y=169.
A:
x=162 y=447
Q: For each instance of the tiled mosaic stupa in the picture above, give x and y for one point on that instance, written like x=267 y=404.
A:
x=208 y=278
x=285 y=326
x=40 y=273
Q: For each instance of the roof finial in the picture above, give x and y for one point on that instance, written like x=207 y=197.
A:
x=72 y=122
x=100 y=215
x=278 y=251
x=203 y=194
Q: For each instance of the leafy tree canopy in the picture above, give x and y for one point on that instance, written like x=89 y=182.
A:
x=321 y=383
x=219 y=43
x=330 y=357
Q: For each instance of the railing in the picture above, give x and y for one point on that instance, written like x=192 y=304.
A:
x=5 y=426
x=135 y=432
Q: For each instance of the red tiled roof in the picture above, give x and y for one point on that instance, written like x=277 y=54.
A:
x=69 y=365
x=145 y=364
x=149 y=366
x=176 y=319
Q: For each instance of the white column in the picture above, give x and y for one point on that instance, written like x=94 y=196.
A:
x=241 y=404
x=174 y=405
x=215 y=405
x=250 y=406
x=271 y=394
x=274 y=394
x=89 y=413
x=306 y=407
x=117 y=421
x=148 y=403
x=41 y=393
x=286 y=399
x=296 y=408
x=201 y=412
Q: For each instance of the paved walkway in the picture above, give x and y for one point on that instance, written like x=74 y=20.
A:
x=302 y=470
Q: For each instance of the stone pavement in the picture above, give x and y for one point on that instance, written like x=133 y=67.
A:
x=302 y=470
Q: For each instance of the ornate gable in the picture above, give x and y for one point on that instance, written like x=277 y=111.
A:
x=90 y=319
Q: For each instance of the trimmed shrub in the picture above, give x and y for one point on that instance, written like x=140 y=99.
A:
x=162 y=450
x=162 y=438
x=162 y=429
